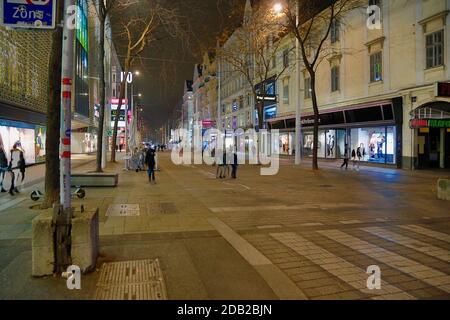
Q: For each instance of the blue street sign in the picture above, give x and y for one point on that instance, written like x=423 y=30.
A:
x=32 y=14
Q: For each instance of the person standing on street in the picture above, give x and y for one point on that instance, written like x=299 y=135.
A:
x=234 y=165
x=150 y=162
x=359 y=157
x=17 y=167
x=346 y=158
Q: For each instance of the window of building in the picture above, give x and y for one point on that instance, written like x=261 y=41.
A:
x=308 y=88
x=435 y=49
x=375 y=3
x=286 y=58
x=334 y=32
x=376 y=67
x=335 y=85
x=114 y=77
x=286 y=93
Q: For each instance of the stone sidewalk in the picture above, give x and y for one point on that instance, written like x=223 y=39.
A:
x=297 y=235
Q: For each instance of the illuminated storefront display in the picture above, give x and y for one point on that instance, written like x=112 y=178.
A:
x=81 y=62
x=28 y=135
x=374 y=129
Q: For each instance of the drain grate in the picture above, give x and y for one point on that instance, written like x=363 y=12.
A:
x=131 y=280
x=168 y=208
x=162 y=208
x=123 y=210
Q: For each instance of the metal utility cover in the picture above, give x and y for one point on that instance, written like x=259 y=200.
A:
x=131 y=280
x=123 y=210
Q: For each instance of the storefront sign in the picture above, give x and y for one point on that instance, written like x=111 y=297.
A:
x=443 y=89
x=266 y=98
x=208 y=123
x=429 y=123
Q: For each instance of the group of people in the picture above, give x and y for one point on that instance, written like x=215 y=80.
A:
x=223 y=169
x=356 y=156
x=14 y=167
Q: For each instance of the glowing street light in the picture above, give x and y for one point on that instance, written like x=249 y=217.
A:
x=277 y=8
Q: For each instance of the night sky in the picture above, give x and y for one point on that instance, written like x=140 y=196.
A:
x=167 y=63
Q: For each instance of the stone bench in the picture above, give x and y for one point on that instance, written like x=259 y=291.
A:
x=443 y=189
x=94 y=179
x=84 y=237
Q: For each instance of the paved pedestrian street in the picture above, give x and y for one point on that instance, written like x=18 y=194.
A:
x=296 y=235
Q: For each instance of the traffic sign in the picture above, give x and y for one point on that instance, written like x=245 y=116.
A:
x=30 y=14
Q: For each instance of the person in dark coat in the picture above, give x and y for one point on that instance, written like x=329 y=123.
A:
x=3 y=167
x=150 y=161
x=234 y=165
x=346 y=158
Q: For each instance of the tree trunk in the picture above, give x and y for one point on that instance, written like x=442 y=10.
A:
x=101 y=120
x=116 y=121
x=53 y=117
x=315 y=164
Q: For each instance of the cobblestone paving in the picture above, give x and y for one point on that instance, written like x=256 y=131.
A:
x=331 y=263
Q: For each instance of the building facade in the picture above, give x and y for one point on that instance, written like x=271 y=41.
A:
x=24 y=70
x=384 y=91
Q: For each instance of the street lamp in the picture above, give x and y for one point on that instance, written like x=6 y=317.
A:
x=277 y=8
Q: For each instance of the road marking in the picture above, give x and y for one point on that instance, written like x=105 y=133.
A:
x=427 y=232
x=288 y=207
x=419 y=271
x=248 y=188
x=276 y=279
x=351 y=221
x=11 y=203
x=417 y=245
x=275 y=226
x=312 y=224
x=353 y=275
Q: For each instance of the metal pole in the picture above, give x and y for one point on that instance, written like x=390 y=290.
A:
x=66 y=103
x=126 y=120
x=219 y=92
x=298 y=124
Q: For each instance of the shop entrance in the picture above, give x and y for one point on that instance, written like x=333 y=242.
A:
x=429 y=148
x=447 y=149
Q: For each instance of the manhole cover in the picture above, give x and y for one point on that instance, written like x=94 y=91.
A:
x=131 y=280
x=168 y=208
x=123 y=210
x=161 y=208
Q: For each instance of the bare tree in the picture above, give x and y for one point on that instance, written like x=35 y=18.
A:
x=104 y=8
x=252 y=51
x=311 y=23
x=144 y=25
x=53 y=117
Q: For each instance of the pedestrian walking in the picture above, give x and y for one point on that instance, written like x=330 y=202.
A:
x=234 y=165
x=353 y=159
x=3 y=167
x=17 y=168
x=346 y=158
x=150 y=162
x=359 y=156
